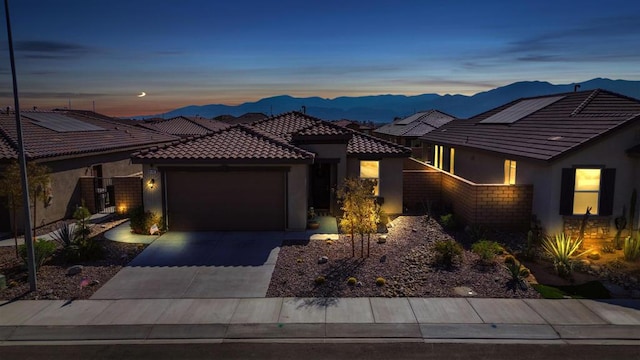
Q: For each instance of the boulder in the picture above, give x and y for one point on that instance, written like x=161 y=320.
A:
x=323 y=259
x=75 y=269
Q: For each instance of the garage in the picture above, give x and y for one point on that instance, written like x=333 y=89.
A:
x=240 y=200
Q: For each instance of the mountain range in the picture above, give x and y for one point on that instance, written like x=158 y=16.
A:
x=384 y=108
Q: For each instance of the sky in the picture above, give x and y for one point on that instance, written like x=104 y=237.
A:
x=87 y=53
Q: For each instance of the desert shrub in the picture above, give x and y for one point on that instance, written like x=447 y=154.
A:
x=380 y=281
x=320 y=280
x=352 y=281
x=562 y=250
x=518 y=274
x=487 y=250
x=631 y=248
x=448 y=221
x=608 y=248
x=141 y=221
x=447 y=252
x=477 y=232
x=42 y=250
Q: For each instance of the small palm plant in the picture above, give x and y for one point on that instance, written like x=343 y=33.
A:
x=563 y=250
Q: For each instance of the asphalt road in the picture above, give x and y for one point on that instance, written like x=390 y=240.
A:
x=310 y=351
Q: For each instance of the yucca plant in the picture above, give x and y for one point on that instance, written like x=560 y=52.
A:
x=631 y=248
x=562 y=249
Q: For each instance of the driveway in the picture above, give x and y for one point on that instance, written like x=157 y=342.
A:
x=199 y=265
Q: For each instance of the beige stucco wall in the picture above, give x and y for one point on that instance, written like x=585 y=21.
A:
x=390 y=183
x=296 y=193
x=64 y=183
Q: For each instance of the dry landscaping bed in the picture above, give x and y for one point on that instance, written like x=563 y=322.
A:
x=406 y=261
x=53 y=281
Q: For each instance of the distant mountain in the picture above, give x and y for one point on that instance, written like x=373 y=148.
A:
x=384 y=108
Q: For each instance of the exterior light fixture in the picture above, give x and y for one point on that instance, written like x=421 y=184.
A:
x=151 y=183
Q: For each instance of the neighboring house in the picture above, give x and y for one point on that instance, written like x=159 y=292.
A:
x=363 y=127
x=184 y=126
x=579 y=150
x=408 y=131
x=247 y=118
x=266 y=175
x=73 y=144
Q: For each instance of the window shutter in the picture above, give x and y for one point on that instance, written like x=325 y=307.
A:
x=568 y=183
x=607 y=185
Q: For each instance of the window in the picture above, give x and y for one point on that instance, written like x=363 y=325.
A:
x=510 y=172
x=437 y=156
x=586 y=187
x=452 y=155
x=586 y=191
x=371 y=170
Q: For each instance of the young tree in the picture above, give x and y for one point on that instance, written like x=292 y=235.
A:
x=39 y=179
x=360 y=212
x=10 y=188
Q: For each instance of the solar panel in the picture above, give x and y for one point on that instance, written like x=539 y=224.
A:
x=59 y=122
x=519 y=110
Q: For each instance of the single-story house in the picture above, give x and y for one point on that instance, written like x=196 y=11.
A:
x=579 y=150
x=246 y=118
x=73 y=144
x=363 y=127
x=183 y=126
x=265 y=176
x=408 y=131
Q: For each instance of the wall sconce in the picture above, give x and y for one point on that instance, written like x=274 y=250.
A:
x=151 y=183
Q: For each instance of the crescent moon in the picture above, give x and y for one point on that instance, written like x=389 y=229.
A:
x=142 y=94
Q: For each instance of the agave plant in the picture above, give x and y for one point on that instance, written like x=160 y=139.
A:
x=562 y=249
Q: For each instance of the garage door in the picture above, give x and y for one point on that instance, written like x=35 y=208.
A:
x=226 y=200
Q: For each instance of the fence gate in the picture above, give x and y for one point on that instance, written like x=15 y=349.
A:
x=104 y=195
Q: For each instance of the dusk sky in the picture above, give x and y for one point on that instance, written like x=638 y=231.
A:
x=183 y=52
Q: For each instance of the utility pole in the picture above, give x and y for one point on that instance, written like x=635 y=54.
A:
x=28 y=239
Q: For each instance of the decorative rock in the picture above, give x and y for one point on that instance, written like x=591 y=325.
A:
x=359 y=283
x=94 y=282
x=48 y=292
x=594 y=256
x=595 y=268
x=414 y=230
x=323 y=260
x=464 y=291
x=616 y=291
x=382 y=238
x=75 y=269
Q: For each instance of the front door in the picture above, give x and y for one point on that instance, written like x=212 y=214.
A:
x=320 y=190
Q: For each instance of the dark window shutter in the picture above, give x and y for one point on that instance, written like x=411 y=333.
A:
x=607 y=185
x=566 y=191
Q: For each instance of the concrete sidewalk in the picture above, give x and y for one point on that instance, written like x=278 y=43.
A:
x=324 y=319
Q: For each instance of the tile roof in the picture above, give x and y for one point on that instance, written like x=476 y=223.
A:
x=184 y=125
x=293 y=125
x=41 y=142
x=552 y=131
x=415 y=125
x=273 y=140
x=237 y=144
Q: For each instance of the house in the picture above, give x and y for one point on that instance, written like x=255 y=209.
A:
x=266 y=175
x=247 y=118
x=408 y=131
x=184 y=126
x=363 y=127
x=74 y=145
x=578 y=150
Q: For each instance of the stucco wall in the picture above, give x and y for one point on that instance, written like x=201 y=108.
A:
x=65 y=175
x=390 y=183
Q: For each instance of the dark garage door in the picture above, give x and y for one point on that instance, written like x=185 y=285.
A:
x=226 y=200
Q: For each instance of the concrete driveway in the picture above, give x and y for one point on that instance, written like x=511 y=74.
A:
x=199 y=265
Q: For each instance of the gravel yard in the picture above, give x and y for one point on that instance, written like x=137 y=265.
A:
x=53 y=281
x=405 y=261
